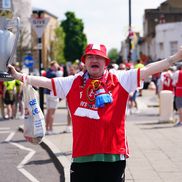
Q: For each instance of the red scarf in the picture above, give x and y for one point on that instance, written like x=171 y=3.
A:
x=95 y=94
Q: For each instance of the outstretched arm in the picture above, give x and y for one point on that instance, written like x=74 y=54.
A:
x=159 y=66
x=37 y=81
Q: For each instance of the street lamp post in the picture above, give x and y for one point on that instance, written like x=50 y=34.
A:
x=129 y=13
x=129 y=32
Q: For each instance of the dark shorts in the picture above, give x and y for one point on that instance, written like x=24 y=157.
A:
x=9 y=97
x=98 y=171
x=178 y=102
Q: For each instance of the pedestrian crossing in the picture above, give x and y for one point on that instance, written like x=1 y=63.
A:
x=4 y=130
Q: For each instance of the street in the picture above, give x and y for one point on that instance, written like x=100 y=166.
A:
x=22 y=161
x=155 y=148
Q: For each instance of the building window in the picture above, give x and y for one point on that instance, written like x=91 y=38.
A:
x=173 y=47
x=161 y=46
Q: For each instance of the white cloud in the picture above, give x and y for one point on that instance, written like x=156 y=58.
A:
x=104 y=21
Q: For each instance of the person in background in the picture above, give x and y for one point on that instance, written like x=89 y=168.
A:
x=19 y=103
x=122 y=66
x=177 y=83
x=71 y=71
x=115 y=66
x=139 y=64
x=155 y=80
x=1 y=100
x=51 y=101
x=81 y=67
x=97 y=102
x=166 y=80
x=129 y=65
x=9 y=96
x=132 y=103
x=132 y=106
x=60 y=71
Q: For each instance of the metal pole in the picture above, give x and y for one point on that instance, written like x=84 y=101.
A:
x=129 y=39
x=41 y=93
x=38 y=25
x=41 y=90
x=129 y=13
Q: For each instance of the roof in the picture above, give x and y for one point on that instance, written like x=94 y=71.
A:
x=45 y=11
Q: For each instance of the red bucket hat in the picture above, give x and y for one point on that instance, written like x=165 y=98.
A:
x=93 y=49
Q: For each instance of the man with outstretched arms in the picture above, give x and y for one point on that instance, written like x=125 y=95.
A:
x=97 y=101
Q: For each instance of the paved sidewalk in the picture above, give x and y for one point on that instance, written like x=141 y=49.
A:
x=155 y=147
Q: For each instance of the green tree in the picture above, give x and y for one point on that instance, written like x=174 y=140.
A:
x=57 y=46
x=7 y=14
x=113 y=54
x=75 y=39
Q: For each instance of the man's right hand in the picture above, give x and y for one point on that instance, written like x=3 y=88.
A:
x=16 y=75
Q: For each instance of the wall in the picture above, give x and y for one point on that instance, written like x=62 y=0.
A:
x=23 y=9
x=169 y=35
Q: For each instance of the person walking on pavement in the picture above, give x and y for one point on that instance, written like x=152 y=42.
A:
x=97 y=100
x=51 y=101
x=19 y=100
x=9 y=96
x=1 y=100
x=177 y=82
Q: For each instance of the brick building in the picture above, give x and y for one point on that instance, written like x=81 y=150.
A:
x=47 y=37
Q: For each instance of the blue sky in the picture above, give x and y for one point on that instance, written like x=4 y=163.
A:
x=104 y=21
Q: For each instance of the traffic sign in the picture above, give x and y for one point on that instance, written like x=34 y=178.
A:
x=39 y=46
x=28 y=61
x=39 y=25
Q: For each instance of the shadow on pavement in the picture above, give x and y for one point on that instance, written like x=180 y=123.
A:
x=153 y=123
x=146 y=114
x=157 y=127
x=68 y=153
x=54 y=158
x=39 y=162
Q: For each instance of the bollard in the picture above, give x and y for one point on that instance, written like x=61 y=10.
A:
x=166 y=106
